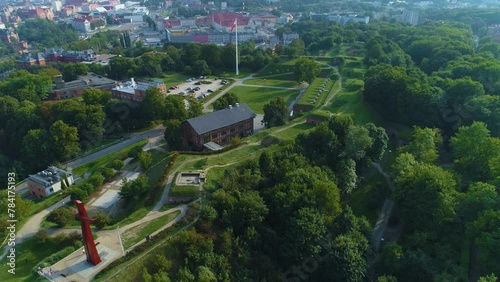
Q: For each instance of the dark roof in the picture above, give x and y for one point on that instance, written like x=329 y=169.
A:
x=222 y=118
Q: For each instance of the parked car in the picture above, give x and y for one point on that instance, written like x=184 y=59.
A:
x=189 y=80
x=181 y=93
x=197 y=83
x=196 y=88
x=191 y=91
x=210 y=91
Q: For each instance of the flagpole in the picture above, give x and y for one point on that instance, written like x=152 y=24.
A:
x=237 y=70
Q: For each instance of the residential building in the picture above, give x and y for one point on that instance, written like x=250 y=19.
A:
x=135 y=91
x=49 y=181
x=30 y=59
x=289 y=37
x=218 y=127
x=410 y=16
x=38 y=13
x=67 y=90
x=81 y=24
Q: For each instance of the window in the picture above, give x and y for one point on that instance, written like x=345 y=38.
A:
x=214 y=136
x=224 y=140
x=240 y=126
x=233 y=130
x=51 y=189
x=206 y=139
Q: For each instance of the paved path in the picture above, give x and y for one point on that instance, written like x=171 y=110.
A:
x=166 y=191
x=385 y=213
x=32 y=226
x=151 y=134
x=182 y=208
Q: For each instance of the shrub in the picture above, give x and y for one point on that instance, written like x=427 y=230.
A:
x=96 y=180
x=78 y=194
x=41 y=237
x=107 y=173
x=101 y=220
x=61 y=216
x=118 y=164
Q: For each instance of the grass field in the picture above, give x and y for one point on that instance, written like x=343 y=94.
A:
x=292 y=132
x=277 y=68
x=104 y=161
x=184 y=191
x=28 y=255
x=136 y=234
x=257 y=97
x=173 y=78
x=310 y=97
x=272 y=82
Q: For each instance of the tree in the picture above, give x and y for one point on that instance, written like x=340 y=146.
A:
x=206 y=275
x=145 y=159
x=36 y=157
x=133 y=190
x=201 y=68
x=306 y=70
x=226 y=100
x=358 y=141
x=348 y=261
x=295 y=48
x=195 y=107
x=61 y=216
x=175 y=108
x=153 y=105
x=424 y=144
x=116 y=164
x=93 y=96
x=101 y=220
x=426 y=193
x=473 y=148
x=488 y=278
x=380 y=142
x=275 y=113
x=173 y=133
x=64 y=140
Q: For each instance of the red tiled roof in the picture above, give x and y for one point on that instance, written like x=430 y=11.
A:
x=227 y=19
x=171 y=23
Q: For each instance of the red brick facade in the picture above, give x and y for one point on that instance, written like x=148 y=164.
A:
x=221 y=136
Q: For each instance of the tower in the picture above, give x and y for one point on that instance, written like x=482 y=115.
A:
x=88 y=242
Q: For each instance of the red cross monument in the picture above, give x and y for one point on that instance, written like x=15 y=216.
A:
x=88 y=241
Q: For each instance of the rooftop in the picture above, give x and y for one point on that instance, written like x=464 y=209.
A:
x=222 y=118
x=90 y=80
x=49 y=176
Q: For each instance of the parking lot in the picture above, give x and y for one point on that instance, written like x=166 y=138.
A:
x=195 y=88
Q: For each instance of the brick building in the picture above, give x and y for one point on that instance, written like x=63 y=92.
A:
x=30 y=59
x=135 y=91
x=49 y=181
x=218 y=127
x=67 y=90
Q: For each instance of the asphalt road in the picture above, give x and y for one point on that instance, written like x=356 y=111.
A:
x=150 y=134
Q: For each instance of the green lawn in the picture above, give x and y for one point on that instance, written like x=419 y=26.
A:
x=232 y=73
x=277 y=68
x=257 y=97
x=311 y=92
x=184 y=190
x=156 y=170
x=136 y=234
x=173 y=78
x=28 y=255
x=362 y=200
x=292 y=132
x=104 y=161
x=125 y=217
x=272 y=82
